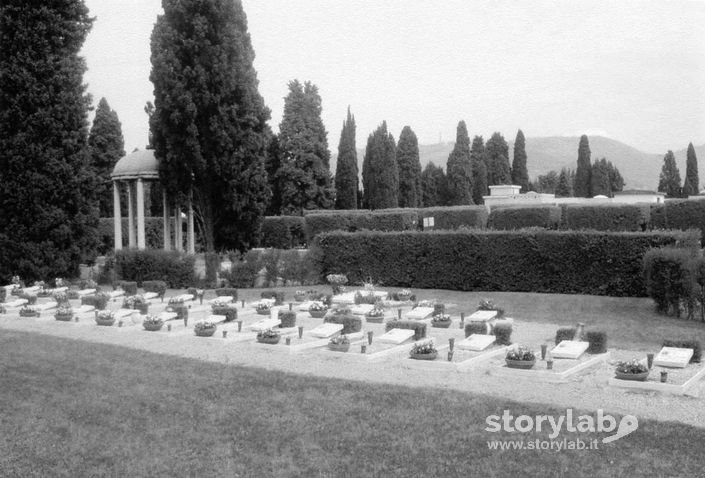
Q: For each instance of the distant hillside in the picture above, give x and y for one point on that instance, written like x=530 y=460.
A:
x=640 y=170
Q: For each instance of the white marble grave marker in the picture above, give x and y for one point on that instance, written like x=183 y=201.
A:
x=265 y=324
x=482 y=316
x=476 y=342
x=396 y=336
x=569 y=349
x=361 y=309
x=347 y=298
x=325 y=331
x=420 y=313
x=673 y=357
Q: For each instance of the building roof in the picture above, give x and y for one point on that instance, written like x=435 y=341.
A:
x=139 y=164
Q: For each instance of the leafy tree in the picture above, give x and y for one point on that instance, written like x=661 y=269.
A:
x=564 y=186
x=409 y=166
x=380 y=176
x=600 y=178
x=478 y=162
x=497 y=151
x=520 y=175
x=272 y=163
x=48 y=210
x=106 y=147
x=459 y=169
x=581 y=188
x=670 y=179
x=304 y=179
x=691 y=187
x=547 y=183
x=433 y=184
x=209 y=124
x=616 y=179
x=346 y=172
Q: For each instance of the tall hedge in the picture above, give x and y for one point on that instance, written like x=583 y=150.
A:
x=679 y=214
x=504 y=218
x=381 y=220
x=174 y=268
x=282 y=232
x=532 y=260
x=455 y=217
x=606 y=217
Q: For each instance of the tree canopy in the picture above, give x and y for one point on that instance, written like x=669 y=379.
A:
x=433 y=183
x=346 y=170
x=691 y=187
x=459 y=169
x=107 y=146
x=520 y=175
x=670 y=179
x=581 y=188
x=497 y=154
x=380 y=176
x=409 y=169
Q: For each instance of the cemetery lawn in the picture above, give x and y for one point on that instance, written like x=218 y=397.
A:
x=73 y=408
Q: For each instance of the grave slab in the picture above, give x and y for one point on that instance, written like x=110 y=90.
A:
x=396 y=336
x=420 y=313
x=482 y=316
x=185 y=298
x=569 y=349
x=45 y=306
x=85 y=309
x=361 y=309
x=326 y=331
x=265 y=324
x=476 y=342
x=673 y=357
x=13 y=304
x=85 y=292
x=166 y=316
x=150 y=295
x=348 y=298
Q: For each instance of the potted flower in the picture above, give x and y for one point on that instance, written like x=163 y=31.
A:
x=152 y=323
x=631 y=370
x=337 y=281
x=268 y=336
x=488 y=304
x=404 y=295
x=340 y=343
x=61 y=298
x=376 y=315
x=424 y=351
x=28 y=311
x=317 y=309
x=441 y=320
x=64 y=313
x=264 y=308
x=222 y=306
x=137 y=302
x=105 y=317
x=520 y=357
x=178 y=305
x=204 y=328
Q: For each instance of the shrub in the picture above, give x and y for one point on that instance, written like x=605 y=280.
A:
x=365 y=298
x=157 y=286
x=565 y=333
x=30 y=298
x=597 y=340
x=419 y=328
x=99 y=300
x=226 y=292
x=130 y=287
x=455 y=217
x=357 y=220
x=686 y=344
x=350 y=323
x=172 y=267
x=287 y=318
x=282 y=232
x=278 y=296
x=566 y=262
x=503 y=332
x=475 y=328
x=230 y=313
x=243 y=273
x=670 y=278
x=605 y=217
x=520 y=217
x=180 y=309
x=3 y=294
x=679 y=214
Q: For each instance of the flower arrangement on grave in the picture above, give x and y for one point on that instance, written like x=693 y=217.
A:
x=425 y=303
x=488 y=304
x=105 y=317
x=16 y=281
x=441 y=320
x=300 y=295
x=337 y=281
x=264 y=308
x=61 y=298
x=424 y=351
x=178 y=300
x=376 y=314
x=133 y=301
x=204 y=328
x=268 y=336
x=630 y=367
x=365 y=297
x=317 y=309
x=152 y=323
x=221 y=302
x=520 y=357
x=28 y=311
x=404 y=295
x=58 y=282
x=64 y=313
x=339 y=343
x=88 y=284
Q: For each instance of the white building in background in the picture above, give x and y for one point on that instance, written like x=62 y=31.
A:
x=508 y=194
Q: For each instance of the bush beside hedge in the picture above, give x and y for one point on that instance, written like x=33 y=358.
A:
x=605 y=217
x=507 y=218
x=172 y=267
x=282 y=232
x=569 y=262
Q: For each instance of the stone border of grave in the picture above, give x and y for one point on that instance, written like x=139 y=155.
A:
x=462 y=366
x=658 y=386
x=549 y=376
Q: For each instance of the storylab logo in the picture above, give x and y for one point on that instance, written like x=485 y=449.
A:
x=599 y=422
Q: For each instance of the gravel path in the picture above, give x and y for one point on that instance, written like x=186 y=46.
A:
x=587 y=391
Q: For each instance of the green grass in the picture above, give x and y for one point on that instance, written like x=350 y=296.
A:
x=70 y=408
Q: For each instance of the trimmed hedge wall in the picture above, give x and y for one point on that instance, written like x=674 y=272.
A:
x=506 y=218
x=174 y=268
x=568 y=262
x=381 y=220
x=282 y=232
x=455 y=217
x=606 y=217
x=679 y=214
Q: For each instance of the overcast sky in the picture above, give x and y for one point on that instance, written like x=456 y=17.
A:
x=630 y=70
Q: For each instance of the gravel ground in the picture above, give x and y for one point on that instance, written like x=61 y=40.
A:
x=588 y=390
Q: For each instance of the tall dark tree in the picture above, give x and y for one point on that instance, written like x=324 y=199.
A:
x=409 y=166
x=478 y=162
x=548 y=183
x=670 y=179
x=106 y=147
x=304 y=178
x=600 y=178
x=380 y=176
x=459 y=169
x=433 y=185
x=48 y=213
x=564 y=187
x=497 y=153
x=581 y=188
x=616 y=179
x=520 y=175
x=346 y=171
x=691 y=187
x=272 y=163
x=209 y=124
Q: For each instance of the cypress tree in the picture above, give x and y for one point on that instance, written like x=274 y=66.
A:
x=670 y=178
x=304 y=177
x=409 y=166
x=691 y=187
x=272 y=163
x=478 y=162
x=106 y=148
x=433 y=185
x=581 y=188
x=48 y=209
x=346 y=171
x=520 y=175
x=600 y=178
x=563 y=187
x=380 y=176
x=616 y=179
x=459 y=169
x=497 y=153
x=209 y=125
